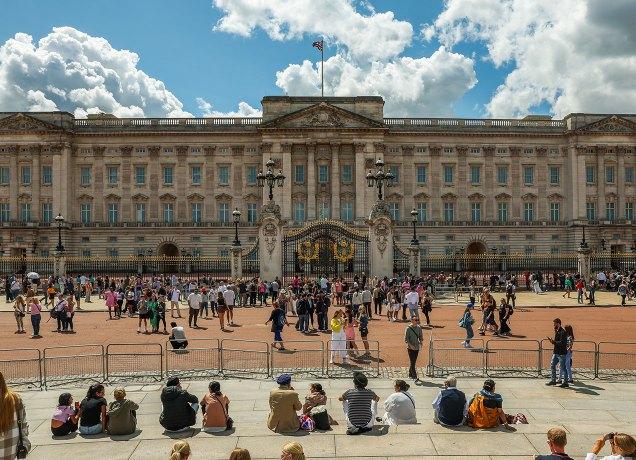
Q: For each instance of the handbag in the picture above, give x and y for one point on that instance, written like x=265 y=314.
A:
x=229 y=422
x=21 y=450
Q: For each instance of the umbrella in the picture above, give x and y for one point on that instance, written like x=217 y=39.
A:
x=33 y=276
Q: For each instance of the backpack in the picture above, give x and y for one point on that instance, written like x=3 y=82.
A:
x=481 y=416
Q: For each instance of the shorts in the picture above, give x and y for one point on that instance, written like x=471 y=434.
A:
x=222 y=308
x=144 y=315
x=230 y=307
x=364 y=332
x=395 y=307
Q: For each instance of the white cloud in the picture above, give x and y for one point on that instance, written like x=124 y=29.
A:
x=411 y=87
x=574 y=55
x=244 y=110
x=372 y=36
x=71 y=70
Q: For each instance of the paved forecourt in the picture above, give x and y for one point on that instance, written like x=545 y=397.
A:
x=585 y=411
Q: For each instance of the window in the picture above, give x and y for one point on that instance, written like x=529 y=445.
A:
x=5 y=215
x=299 y=212
x=528 y=250
x=26 y=175
x=475 y=212
x=448 y=150
x=422 y=212
x=324 y=210
x=475 y=150
x=5 y=175
x=47 y=175
x=299 y=174
x=195 y=209
x=47 y=212
x=224 y=252
x=195 y=173
x=474 y=174
x=113 y=174
x=502 y=174
x=610 y=211
x=629 y=175
x=590 y=174
x=346 y=174
x=168 y=212
x=420 y=175
x=44 y=253
x=112 y=252
x=502 y=212
x=394 y=210
x=140 y=175
x=528 y=212
x=140 y=212
x=527 y=151
x=252 y=213
x=501 y=151
x=395 y=170
x=224 y=175
x=555 y=212
x=113 y=213
x=224 y=212
x=609 y=174
x=167 y=175
x=250 y=174
x=590 y=210
x=85 y=175
x=448 y=174
x=528 y=175
x=25 y=212
x=555 y=175
x=323 y=174
x=85 y=213
x=629 y=211
x=346 y=211
x=449 y=212
x=86 y=252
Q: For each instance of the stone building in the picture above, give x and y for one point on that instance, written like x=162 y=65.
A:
x=165 y=185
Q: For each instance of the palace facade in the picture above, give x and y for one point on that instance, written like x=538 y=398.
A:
x=169 y=186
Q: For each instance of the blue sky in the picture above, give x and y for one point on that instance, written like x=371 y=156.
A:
x=177 y=44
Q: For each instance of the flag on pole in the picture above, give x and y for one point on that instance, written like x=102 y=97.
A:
x=317 y=45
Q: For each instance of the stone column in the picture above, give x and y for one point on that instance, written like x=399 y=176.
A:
x=489 y=183
x=181 y=184
x=236 y=262
x=14 y=181
x=463 y=207
x=59 y=263
x=515 y=181
x=36 y=174
x=361 y=182
x=154 y=174
x=126 y=213
x=414 y=259
x=311 y=182
x=436 y=182
x=600 y=184
x=407 y=177
x=619 y=179
x=98 y=202
x=286 y=202
x=380 y=241
x=543 y=207
x=270 y=246
x=335 y=181
x=584 y=261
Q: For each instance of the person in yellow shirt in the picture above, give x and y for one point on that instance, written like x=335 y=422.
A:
x=338 y=338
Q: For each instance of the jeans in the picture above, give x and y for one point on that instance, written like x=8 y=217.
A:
x=35 y=322
x=304 y=322
x=579 y=295
x=322 y=321
x=469 y=333
x=277 y=336
x=413 y=310
x=565 y=374
x=556 y=359
x=412 y=360
x=193 y=313
x=95 y=429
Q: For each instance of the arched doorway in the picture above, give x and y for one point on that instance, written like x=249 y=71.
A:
x=168 y=250
x=474 y=252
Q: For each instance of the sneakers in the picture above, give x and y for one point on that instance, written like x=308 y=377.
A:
x=551 y=383
x=564 y=385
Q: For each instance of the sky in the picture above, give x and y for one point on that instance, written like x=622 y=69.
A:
x=456 y=58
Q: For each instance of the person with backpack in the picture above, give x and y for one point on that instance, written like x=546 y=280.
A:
x=399 y=406
x=466 y=321
x=413 y=338
x=278 y=320
x=485 y=410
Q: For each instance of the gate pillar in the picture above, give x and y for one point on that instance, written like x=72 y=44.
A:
x=236 y=262
x=270 y=235
x=59 y=263
x=584 y=262
x=414 y=259
x=381 y=241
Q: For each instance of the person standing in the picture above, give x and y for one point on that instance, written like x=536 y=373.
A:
x=13 y=425
x=412 y=300
x=504 y=313
x=19 y=311
x=278 y=320
x=559 y=352
x=413 y=337
x=60 y=312
x=338 y=338
x=565 y=374
x=194 y=303
x=466 y=322
x=35 y=310
x=175 y=295
x=622 y=291
x=144 y=314
x=427 y=307
x=230 y=296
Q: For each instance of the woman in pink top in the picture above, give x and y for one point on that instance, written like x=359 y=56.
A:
x=35 y=310
x=70 y=312
x=65 y=417
x=350 y=333
x=111 y=302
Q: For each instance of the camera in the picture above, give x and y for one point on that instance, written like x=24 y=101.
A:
x=608 y=437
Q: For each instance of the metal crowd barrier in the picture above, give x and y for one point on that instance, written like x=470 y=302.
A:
x=132 y=361
x=367 y=363
x=73 y=363
x=244 y=357
x=616 y=360
x=201 y=359
x=22 y=367
x=450 y=357
x=513 y=358
x=306 y=357
x=584 y=359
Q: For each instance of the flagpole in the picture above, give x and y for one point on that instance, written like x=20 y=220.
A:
x=322 y=68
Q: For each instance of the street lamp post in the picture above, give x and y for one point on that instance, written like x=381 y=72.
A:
x=270 y=178
x=237 y=218
x=583 y=244
x=380 y=178
x=60 y=221
x=414 y=240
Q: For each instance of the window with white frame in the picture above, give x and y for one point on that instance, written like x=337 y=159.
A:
x=251 y=175
x=168 y=175
x=5 y=214
x=323 y=174
x=5 y=175
x=85 y=175
x=449 y=211
x=610 y=210
x=609 y=174
x=140 y=212
x=394 y=210
x=555 y=175
x=502 y=212
x=195 y=212
x=224 y=212
x=113 y=213
x=26 y=175
x=168 y=212
x=346 y=174
x=299 y=174
x=448 y=174
x=252 y=212
x=475 y=171
x=224 y=175
x=502 y=174
x=422 y=211
x=590 y=174
x=629 y=175
x=590 y=210
x=140 y=175
x=113 y=175
x=555 y=212
x=420 y=174
x=475 y=212
x=86 y=216
x=324 y=210
x=528 y=211
x=528 y=175
x=25 y=212
x=299 y=211
x=629 y=211
x=195 y=174
x=346 y=211
x=395 y=170
x=47 y=175
x=47 y=212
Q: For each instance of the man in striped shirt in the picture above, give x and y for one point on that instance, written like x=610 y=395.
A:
x=360 y=405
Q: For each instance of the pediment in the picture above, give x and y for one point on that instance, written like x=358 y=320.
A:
x=112 y=197
x=503 y=196
x=22 y=123
x=85 y=197
x=140 y=197
x=195 y=197
x=24 y=197
x=394 y=196
x=529 y=196
x=555 y=196
x=610 y=125
x=251 y=196
x=223 y=197
x=449 y=196
x=476 y=197
x=322 y=116
x=421 y=196
x=167 y=197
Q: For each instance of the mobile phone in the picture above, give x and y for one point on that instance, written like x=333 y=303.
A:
x=77 y=405
x=608 y=436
